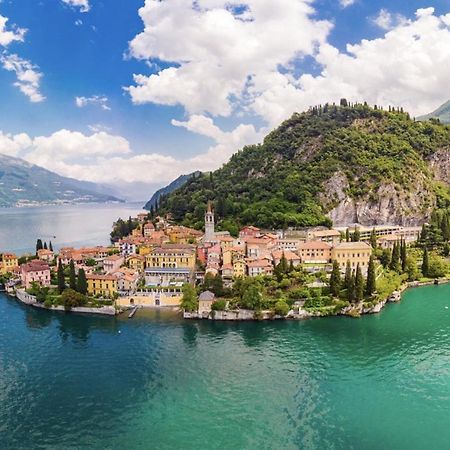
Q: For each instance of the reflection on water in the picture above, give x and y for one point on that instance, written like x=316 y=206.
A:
x=156 y=381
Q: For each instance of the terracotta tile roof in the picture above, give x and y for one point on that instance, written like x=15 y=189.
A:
x=314 y=245
x=290 y=256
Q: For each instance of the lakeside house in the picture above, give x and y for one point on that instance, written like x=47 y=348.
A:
x=291 y=257
x=102 y=285
x=35 y=271
x=354 y=252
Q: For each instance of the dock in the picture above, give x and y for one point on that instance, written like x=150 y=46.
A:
x=133 y=312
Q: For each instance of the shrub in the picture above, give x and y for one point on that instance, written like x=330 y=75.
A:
x=281 y=308
x=219 y=305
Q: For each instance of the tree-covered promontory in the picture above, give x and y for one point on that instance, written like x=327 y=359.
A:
x=283 y=181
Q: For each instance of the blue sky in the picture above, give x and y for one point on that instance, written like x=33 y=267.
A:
x=222 y=77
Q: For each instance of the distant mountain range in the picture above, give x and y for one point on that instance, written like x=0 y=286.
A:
x=23 y=184
x=442 y=113
x=179 y=182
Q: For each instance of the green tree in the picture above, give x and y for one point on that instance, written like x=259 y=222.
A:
x=425 y=263
x=411 y=268
x=373 y=239
x=61 y=278
x=252 y=297
x=82 y=282
x=356 y=235
x=403 y=255
x=348 y=275
x=359 y=284
x=395 y=258
x=385 y=258
x=45 y=245
x=71 y=299
x=50 y=246
x=335 y=280
x=282 y=268
x=72 y=276
x=351 y=291
x=281 y=308
x=347 y=235
x=371 y=277
x=437 y=267
x=189 y=301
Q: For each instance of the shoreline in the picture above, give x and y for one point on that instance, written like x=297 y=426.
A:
x=354 y=311
x=30 y=300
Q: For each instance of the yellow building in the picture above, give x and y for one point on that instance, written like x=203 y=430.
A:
x=239 y=268
x=103 y=285
x=9 y=263
x=354 y=252
x=172 y=256
x=136 y=262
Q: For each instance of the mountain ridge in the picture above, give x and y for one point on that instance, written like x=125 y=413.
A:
x=23 y=183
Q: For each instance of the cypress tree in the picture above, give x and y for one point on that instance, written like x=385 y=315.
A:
x=39 y=245
x=45 y=246
x=81 y=282
x=373 y=239
x=359 y=284
x=395 y=258
x=347 y=235
x=61 y=279
x=351 y=289
x=371 y=277
x=335 y=280
x=50 y=246
x=403 y=255
x=72 y=276
x=425 y=263
x=445 y=227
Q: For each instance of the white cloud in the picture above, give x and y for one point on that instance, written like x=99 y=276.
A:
x=345 y=3
x=99 y=100
x=218 y=48
x=28 y=76
x=387 y=20
x=83 y=5
x=10 y=35
x=13 y=145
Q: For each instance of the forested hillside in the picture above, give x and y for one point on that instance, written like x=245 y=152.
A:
x=337 y=164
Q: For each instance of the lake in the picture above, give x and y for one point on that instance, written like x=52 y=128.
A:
x=73 y=225
x=155 y=381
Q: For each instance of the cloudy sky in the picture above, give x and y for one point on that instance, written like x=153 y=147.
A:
x=141 y=91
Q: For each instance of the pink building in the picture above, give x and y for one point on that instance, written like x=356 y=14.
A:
x=113 y=263
x=35 y=271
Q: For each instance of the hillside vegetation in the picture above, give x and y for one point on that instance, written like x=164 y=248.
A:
x=330 y=163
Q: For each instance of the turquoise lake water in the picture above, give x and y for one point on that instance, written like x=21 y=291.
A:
x=156 y=382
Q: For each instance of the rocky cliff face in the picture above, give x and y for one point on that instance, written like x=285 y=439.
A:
x=440 y=165
x=388 y=205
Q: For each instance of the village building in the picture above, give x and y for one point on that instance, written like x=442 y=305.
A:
x=249 y=232
x=168 y=276
x=102 y=285
x=258 y=247
x=288 y=244
x=142 y=217
x=149 y=229
x=315 y=252
x=113 y=263
x=35 y=271
x=291 y=257
x=172 y=256
x=333 y=237
x=127 y=247
x=354 y=252
x=259 y=267
x=127 y=280
x=136 y=262
x=9 y=263
x=45 y=255
x=205 y=301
